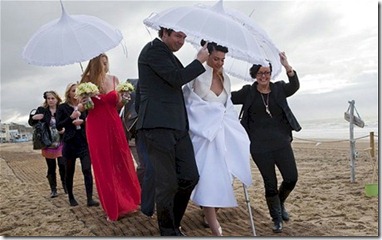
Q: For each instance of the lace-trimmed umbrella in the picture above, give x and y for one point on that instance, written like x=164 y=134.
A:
x=70 y=39
x=223 y=26
x=269 y=51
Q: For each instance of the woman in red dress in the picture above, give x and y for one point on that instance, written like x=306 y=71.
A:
x=115 y=176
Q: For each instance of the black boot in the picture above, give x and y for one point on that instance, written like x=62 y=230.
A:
x=274 y=207
x=283 y=195
x=89 y=194
x=73 y=202
x=53 y=185
x=92 y=203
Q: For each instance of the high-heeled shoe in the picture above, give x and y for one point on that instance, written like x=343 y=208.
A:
x=220 y=230
x=205 y=223
x=109 y=220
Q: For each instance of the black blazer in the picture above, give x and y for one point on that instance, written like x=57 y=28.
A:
x=47 y=117
x=63 y=120
x=159 y=91
x=281 y=91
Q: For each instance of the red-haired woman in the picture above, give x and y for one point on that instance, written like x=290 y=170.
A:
x=114 y=171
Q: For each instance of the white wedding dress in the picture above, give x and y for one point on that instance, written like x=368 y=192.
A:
x=220 y=142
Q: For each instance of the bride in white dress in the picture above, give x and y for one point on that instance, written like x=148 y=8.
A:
x=220 y=142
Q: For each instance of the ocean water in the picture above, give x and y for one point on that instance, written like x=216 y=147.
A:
x=336 y=128
x=333 y=128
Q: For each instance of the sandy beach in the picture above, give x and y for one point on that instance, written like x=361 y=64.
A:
x=324 y=203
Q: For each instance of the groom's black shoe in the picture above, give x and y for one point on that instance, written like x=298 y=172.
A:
x=179 y=232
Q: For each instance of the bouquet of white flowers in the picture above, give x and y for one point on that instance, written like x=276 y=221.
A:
x=125 y=89
x=86 y=91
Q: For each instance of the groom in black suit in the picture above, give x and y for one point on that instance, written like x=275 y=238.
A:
x=162 y=120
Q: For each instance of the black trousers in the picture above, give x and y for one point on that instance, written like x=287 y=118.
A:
x=172 y=155
x=284 y=160
x=77 y=148
x=86 y=171
x=146 y=176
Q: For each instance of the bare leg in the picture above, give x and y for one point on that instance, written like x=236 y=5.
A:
x=210 y=214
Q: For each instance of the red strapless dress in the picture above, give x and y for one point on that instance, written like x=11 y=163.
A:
x=114 y=172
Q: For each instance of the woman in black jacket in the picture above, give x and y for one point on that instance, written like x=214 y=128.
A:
x=75 y=144
x=269 y=123
x=47 y=114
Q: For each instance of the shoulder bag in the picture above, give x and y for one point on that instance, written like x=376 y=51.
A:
x=41 y=137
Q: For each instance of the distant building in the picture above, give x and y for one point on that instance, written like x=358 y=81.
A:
x=13 y=132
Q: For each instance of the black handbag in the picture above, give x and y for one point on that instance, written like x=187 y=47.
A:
x=41 y=136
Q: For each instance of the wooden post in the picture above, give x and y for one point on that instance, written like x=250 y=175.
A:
x=353 y=120
x=352 y=142
x=372 y=151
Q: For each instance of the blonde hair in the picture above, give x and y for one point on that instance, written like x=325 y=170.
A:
x=94 y=72
x=67 y=92
x=55 y=95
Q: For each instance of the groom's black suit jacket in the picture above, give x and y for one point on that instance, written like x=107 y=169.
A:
x=159 y=92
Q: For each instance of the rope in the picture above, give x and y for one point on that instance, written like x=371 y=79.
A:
x=330 y=141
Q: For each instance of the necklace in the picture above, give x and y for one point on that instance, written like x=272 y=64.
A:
x=266 y=104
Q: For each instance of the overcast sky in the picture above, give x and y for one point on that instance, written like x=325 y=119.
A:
x=333 y=46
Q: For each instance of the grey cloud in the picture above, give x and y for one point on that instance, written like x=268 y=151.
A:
x=309 y=31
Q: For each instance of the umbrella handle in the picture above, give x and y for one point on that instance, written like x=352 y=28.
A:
x=82 y=69
x=249 y=210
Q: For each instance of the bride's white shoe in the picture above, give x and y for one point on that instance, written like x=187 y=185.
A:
x=205 y=222
x=220 y=231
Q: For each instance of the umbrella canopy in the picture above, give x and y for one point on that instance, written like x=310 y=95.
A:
x=70 y=39
x=216 y=25
x=269 y=50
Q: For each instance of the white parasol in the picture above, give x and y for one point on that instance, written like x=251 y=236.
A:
x=70 y=39
x=216 y=24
